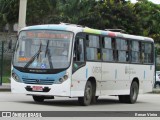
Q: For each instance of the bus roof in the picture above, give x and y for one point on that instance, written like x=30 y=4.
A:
x=78 y=28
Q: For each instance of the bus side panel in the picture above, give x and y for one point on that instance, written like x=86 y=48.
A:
x=145 y=75
x=78 y=82
x=149 y=78
x=115 y=79
x=80 y=77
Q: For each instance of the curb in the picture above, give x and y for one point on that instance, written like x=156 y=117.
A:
x=155 y=91
x=5 y=90
x=5 y=87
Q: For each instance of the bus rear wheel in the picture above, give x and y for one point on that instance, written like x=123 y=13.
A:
x=86 y=100
x=157 y=85
x=38 y=98
x=132 y=97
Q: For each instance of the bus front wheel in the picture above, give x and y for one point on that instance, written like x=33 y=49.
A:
x=38 y=98
x=86 y=100
x=132 y=97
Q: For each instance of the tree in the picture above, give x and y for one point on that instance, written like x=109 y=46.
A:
x=9 y=10
x=141 y=18
x=150 y=16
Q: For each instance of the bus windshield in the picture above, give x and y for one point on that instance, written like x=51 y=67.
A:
x=43 y=49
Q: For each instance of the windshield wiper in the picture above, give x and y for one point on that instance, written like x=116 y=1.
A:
x=47 y=52
x=33 y=58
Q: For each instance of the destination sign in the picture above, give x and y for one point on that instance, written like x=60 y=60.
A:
x=53 y=35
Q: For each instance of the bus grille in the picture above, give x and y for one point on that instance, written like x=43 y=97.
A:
x=38 y=81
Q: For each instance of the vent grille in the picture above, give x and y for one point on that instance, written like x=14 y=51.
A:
x=38 y=81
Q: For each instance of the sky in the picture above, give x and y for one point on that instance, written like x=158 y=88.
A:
x=154 y=1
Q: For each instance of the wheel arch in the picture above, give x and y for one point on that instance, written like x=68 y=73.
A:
x=136 y=80
x=93 y=82
x=88 y=95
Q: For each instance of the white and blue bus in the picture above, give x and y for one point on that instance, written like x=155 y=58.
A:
x=74 y=61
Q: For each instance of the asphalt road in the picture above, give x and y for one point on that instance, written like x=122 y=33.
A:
x=21 y=102
x=9 y=102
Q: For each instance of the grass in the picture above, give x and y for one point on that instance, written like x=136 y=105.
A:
x=6 y=79
x=6 y=71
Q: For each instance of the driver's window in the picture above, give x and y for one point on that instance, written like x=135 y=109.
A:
x=79 y=50
x=78 y=54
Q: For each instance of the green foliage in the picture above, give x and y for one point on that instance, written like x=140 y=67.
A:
x=40 y=11
x=9 y=10
x=141 y=18
x=6 y=71
x=150 y=15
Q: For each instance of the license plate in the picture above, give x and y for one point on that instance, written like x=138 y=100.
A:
x=37 y=88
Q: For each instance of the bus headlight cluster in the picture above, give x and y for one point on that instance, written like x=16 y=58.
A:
x=64 y=78
x=15 y=77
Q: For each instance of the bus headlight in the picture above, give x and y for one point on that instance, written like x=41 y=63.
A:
x=64 y=78
x=61 y=80
x=15 y=77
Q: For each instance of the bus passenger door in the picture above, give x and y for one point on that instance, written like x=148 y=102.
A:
x=78 y=68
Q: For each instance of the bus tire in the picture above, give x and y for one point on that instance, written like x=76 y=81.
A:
x=121 y=98
x=38 y=98
x=157 y=85
x=86 y=100
x=132 y=97
x=94 y=99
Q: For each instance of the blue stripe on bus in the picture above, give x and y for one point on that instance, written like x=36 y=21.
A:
x=50 y=27
x=104 y=32
x=86 y=73
x=150 y=67
x=55 y=77
x=116 y=74
x=144 y=74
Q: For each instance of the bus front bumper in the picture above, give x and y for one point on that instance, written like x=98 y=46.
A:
x=62 y=89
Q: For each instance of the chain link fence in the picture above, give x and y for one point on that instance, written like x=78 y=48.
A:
x=1 y=60
x=7 y=45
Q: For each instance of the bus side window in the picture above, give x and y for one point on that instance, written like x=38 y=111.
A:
x=142 y=52
x=135 y=51
x=122 y=50
x=93 y=51
x=108 y=49
x=147 y=52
